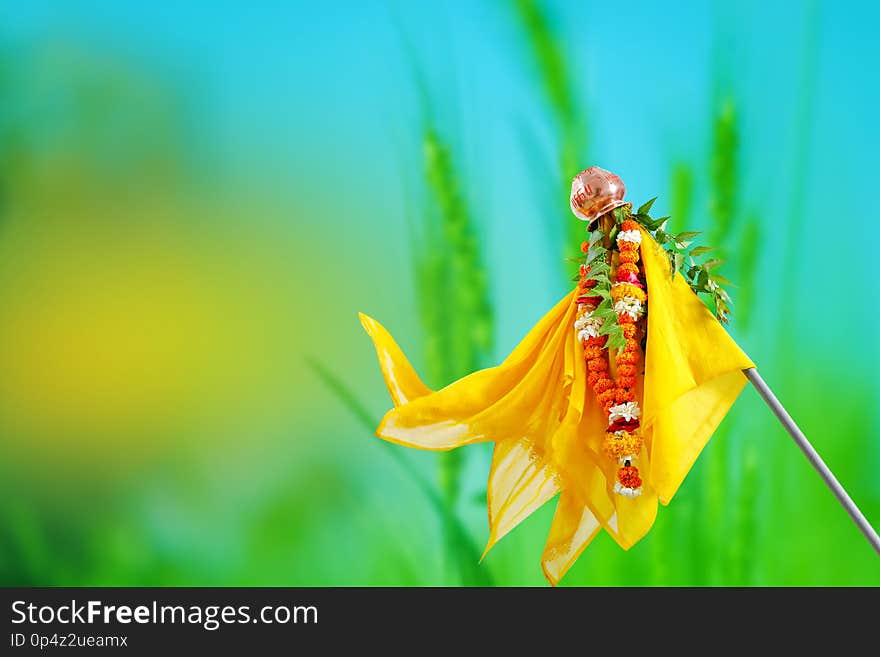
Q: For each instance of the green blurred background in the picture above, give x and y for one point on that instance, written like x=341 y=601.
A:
x=197 y=198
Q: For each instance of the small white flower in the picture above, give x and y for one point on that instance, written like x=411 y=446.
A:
x=625 y=411
x=587 y=326
x=632 y=458
x=629 y=236
x=629 y=306
x=626 y=492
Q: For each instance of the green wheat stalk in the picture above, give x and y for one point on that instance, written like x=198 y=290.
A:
x=556 y=82
x=453 y=290
x=467 y=550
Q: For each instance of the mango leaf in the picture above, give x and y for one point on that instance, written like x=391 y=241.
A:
x=658 y=223
x=688 y=234
x=700 y=250
x=646 y=207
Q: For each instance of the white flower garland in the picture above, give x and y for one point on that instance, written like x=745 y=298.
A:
x=626 y=492
x=627 y=411
x=630 y=306
x=587 y=326
x=633 y=236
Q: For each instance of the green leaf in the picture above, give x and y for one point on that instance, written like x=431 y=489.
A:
x=677 y=261
x=646 y=207
x=657 y=223
x=718 y=278
x=700 y=250
x=702 y=279
x=688 y=234
x=711 y=264
x=616 y=341
x=597 y=259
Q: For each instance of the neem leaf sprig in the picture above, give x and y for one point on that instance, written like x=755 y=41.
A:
x=688 y=259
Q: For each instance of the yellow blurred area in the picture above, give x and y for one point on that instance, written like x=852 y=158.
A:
x=121 y=331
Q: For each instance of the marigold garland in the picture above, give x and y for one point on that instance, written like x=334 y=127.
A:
x=616 y=396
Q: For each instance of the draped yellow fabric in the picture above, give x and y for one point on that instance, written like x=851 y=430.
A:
x=548 y=427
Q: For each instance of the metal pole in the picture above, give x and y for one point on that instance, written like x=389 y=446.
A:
x=813 y=457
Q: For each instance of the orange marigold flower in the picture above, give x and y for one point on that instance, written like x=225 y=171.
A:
x=626 y=370
x=628 y=476
x=628 y=256
x=592 y=352
x=629 y=267
x=625 y=318
x=585 y=246
x=592 y=377
x=629 y=357
x=629 y=224
x=603 y=384
x=632 y=345
x=622 y=290
x=598 y=365
x=606 y=398
x=624 y=395
x=626 y=381
x=623 y=443
x=629 y=330
x=598 y=341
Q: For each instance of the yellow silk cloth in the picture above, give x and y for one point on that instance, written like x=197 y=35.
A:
x=548 y=427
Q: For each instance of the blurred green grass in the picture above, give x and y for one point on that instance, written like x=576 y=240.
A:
x=306 y=506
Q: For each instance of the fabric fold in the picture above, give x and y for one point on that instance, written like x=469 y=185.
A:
x=693 y=372
x=518 y=399
x=574 y=527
